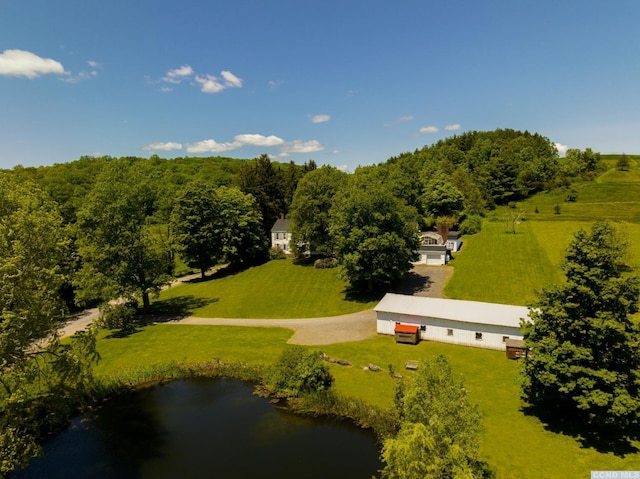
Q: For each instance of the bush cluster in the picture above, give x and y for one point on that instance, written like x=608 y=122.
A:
x=325 y=263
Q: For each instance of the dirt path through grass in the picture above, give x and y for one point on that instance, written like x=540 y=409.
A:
x=423 y=281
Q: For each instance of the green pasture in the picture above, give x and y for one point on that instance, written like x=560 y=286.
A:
x=277 y=289
x=514 y=444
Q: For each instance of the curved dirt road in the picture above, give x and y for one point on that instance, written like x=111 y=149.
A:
x=308 y=331
x=423 y=281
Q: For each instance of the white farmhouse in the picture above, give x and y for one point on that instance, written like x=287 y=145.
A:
x=468 y=323
x=280 y=235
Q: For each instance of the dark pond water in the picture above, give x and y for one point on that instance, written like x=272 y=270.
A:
x=203 y=429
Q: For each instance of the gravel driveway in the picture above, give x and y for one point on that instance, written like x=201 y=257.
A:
x=422 y=281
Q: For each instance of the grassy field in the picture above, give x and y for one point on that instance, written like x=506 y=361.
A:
x=494 y=265
x=514 y=444
x=277 y=289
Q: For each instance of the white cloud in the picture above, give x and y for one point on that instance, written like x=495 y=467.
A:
x=428 y=129
x=210 y=84
x=178 y=74
x=562 y=149
x=166 y=146
x=84 y=74
x=27 y=64
x=212 y=146
x=402 y=119
x=320 y=118
x=454 y=127
x=258 y=140
x=299 y=146
x=273 y=84
x=231 y=80
x=344 y=168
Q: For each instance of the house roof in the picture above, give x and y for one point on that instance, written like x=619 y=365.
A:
x=406 y=328
x=514 y=343
x=453 y=309
x=452 y=235
x=281 y=224
x=433 y=247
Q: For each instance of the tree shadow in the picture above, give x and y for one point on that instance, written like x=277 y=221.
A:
x=172 y=309
x=413 y=283
x=602 y=440
x=361 y=295
x=223 y=272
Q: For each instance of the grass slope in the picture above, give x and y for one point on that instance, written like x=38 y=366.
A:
x=277 y=289
x=501 y=267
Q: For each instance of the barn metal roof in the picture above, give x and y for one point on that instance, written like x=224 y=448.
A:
x=453 y=309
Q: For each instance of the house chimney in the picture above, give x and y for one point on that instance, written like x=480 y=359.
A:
x=281 y=216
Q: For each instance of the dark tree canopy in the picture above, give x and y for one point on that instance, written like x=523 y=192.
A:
x=310 y=208
x=585 y=356
x=121 y=257
x=439 y=429
x=38 y=373
x=194 y=229
x=375 y=234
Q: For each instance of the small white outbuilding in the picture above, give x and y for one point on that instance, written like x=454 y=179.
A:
x=468 y=323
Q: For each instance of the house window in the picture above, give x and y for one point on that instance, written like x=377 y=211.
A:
x=479 y=336
x=504 y=339
x=449 y=332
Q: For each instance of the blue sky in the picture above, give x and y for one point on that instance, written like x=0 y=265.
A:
x=345 y=83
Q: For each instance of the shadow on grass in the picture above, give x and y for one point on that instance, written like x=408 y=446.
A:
x=602 y=440
x=162 y=311
x=223 y=272
x=412 y=284
x=361 y=295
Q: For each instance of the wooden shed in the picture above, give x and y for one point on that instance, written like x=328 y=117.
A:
x=407 y=333
x=515 y=348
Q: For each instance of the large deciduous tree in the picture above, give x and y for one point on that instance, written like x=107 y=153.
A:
x=194 y=226
x=309 y=212
x=439 y=430
x=585 y=347
x=38 y=374
x=121 y=257
x=212 y=225
x=375 y=234
x=240 y=222
x=442 y=198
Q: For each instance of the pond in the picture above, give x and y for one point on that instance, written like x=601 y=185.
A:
x=203 y=429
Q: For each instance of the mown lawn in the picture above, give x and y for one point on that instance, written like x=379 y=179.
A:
x=277 y=289
x=514 y=444
x=498 y=266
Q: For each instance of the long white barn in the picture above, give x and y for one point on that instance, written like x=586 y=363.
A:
x=469 y=323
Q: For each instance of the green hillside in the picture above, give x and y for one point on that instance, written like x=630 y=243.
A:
x=498 y=266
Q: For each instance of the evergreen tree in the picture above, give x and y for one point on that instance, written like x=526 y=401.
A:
x=584 y=361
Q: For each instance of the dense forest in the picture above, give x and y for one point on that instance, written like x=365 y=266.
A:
x=98 y=229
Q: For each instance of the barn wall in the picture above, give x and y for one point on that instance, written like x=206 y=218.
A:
x=464 y=333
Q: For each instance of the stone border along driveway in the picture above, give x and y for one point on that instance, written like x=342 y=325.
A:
x=424 y=281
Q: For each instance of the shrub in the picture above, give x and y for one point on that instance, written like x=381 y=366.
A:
x=572 y=196
x=471 y=225
x=325 y=263
x=117 y=316
x=276 y=253
x=298 y=372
